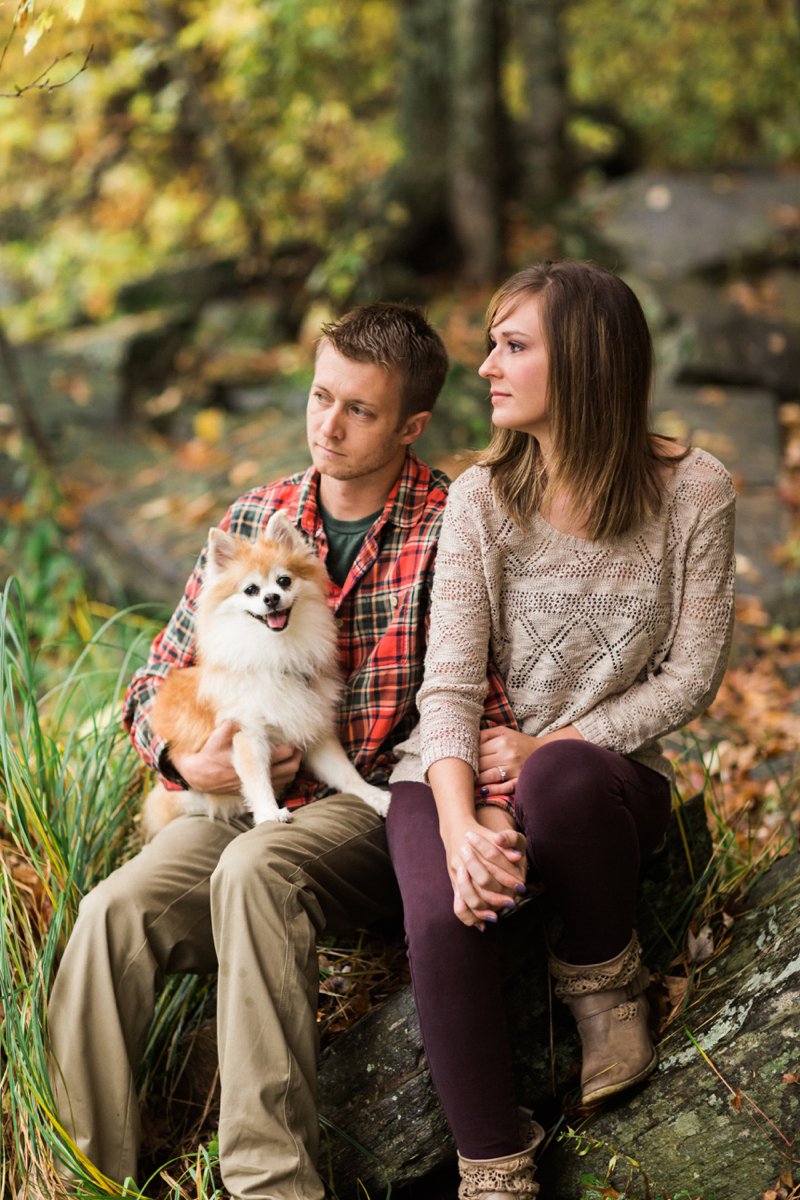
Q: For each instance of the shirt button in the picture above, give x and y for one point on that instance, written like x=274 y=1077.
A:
x=393 y=601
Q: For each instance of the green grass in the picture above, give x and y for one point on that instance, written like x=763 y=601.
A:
x=70 y=784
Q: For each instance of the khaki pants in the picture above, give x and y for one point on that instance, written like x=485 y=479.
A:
x=204 y=897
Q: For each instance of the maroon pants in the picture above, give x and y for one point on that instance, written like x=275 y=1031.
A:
x=590 y=818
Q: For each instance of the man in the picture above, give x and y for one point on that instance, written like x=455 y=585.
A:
x=250 y=903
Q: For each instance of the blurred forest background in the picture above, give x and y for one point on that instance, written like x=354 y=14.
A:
x=187 y=189
x=349 y=134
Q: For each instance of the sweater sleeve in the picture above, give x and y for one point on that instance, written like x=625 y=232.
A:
x=686 y=679
x=452 y=695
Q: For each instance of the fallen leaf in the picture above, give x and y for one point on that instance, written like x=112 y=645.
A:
x=201 y=509
x=701 y=946
x=155 y=508
x=209 y=425
x=244 y=472
x=676 y=986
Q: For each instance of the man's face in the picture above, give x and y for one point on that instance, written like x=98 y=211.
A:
x=353 y=416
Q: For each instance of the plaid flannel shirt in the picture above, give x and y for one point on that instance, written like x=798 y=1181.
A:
x=381 y=613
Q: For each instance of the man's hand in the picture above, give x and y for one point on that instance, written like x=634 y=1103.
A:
x=211 y=768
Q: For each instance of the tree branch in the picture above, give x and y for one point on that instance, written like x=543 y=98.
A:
x=43 y=84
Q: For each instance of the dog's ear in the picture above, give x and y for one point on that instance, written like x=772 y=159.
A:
x=280 y=529
x=221 y=549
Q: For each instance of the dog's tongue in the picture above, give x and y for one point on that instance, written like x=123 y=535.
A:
x=278 y=620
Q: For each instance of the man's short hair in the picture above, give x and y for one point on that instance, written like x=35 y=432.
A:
x=399 y=338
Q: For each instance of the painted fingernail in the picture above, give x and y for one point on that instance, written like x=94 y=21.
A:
x=510 y=903
x=521 y=889
x=492 y=917
x=484 y=792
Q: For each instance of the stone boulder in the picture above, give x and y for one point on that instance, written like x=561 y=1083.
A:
x=375 y=1089
x=720 y=1118
x=747 y=351
x=668 y=224
x=97 y=374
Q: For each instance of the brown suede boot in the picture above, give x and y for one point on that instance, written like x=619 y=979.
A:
x=608 y=1003
x=505 y=1178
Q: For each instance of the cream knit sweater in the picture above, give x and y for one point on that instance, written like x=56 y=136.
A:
x=625 y=639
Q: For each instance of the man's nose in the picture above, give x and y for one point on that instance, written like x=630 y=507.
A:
x=332 y=423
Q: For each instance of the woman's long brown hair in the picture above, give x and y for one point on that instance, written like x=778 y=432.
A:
x=600 y=370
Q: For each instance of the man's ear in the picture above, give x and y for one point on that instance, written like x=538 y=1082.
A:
x=414 y=427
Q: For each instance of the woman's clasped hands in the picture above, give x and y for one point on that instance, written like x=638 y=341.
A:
x=488 y=865
x=486 y=853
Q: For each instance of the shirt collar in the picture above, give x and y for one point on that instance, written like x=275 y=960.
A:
x=407 y=499
x=404 y=504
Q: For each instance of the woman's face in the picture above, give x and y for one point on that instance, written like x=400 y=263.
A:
x=516 y=368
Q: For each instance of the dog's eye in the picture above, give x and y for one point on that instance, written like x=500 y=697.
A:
x=251 y=589
x=284 y=581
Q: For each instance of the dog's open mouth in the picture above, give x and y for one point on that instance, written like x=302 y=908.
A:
x=276 y=621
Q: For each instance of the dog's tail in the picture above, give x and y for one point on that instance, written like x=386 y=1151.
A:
x=159 y=808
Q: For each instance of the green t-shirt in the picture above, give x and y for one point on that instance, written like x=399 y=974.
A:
x=345 y=539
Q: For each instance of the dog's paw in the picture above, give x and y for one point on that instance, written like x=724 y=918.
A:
x=282 y=815
x=376 y=798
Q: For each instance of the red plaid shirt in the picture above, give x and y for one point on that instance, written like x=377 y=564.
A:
x=381 y=613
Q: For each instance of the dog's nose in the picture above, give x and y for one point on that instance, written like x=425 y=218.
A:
x=271 y=600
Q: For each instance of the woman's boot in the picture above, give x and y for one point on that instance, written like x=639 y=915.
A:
x=505 y=1178
x=608 y=1003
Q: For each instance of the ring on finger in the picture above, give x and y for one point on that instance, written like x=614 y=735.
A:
x=503 y=774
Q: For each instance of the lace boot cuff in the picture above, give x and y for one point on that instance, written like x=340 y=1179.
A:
x=583 y=979
x=511 y=1176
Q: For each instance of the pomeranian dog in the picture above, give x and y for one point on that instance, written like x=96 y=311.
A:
x=266 y=653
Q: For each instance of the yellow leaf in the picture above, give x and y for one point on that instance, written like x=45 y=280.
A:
x=209 y=425
x=41 y=25
x=74 y=9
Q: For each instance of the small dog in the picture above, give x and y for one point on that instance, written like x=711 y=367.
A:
x=266 y=659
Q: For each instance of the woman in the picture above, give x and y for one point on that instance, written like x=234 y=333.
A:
x=594 y=561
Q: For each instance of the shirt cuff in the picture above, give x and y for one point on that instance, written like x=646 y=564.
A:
x=170 y=775
x=504 y=802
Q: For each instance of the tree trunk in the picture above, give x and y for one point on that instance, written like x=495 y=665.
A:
x=419 y=184
x=542 y=128
x=476 y=131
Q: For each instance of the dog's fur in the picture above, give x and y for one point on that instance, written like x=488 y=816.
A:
x=266 y=659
